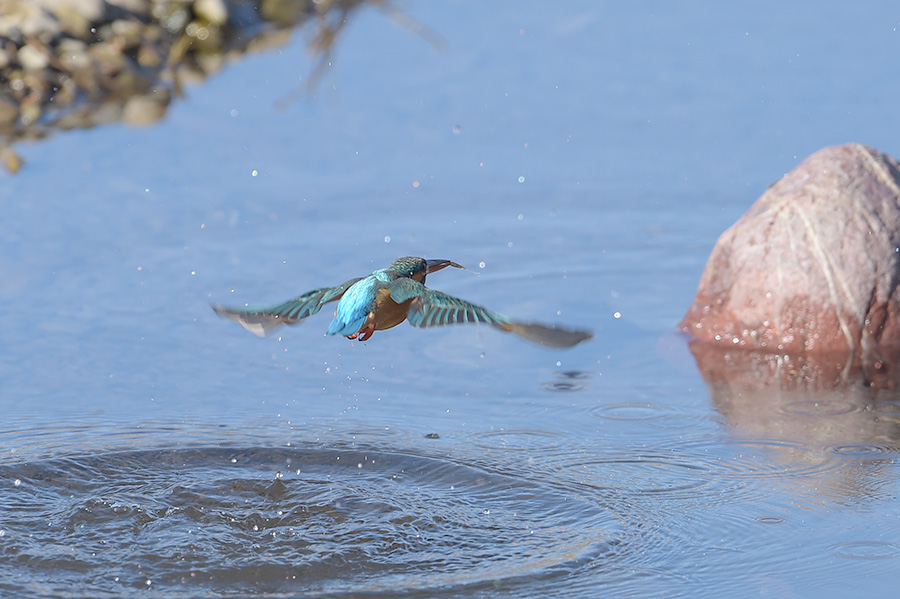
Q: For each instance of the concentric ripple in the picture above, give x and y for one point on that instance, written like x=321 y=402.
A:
x=203 y=522
x=867 y=550
x=819 y=408
x=707 y=470
x=871 y=451
x=761 y=458
x=568 y=381
x=634 y=411
x=656 y=414
x=643 y=474
x=515 y=439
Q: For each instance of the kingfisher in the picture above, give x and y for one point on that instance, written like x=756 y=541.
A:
x=386 y=298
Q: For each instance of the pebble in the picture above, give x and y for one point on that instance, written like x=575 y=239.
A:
x=31 y=58
x=146 y=109
x=211 y=11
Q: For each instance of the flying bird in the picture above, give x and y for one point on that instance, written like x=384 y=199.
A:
x=386 y=298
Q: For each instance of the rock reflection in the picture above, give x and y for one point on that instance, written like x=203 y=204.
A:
x=827 y=403
x=80 y=63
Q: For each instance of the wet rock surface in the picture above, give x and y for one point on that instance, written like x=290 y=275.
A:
x=77 y=63
x=813 y=266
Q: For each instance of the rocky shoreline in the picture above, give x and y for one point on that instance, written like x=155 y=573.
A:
x=68 y=64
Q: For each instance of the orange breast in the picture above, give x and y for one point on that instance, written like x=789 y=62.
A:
x=388 y=313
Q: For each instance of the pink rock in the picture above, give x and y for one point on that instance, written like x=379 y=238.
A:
x=813 y=266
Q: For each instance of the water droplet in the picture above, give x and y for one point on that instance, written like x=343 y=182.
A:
x=254 y=172
x=617 y=315
x=521 y=179
x=17 y=482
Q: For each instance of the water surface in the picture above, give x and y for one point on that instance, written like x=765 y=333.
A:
x=583 y=159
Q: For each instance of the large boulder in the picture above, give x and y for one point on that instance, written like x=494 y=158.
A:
x=813 y=266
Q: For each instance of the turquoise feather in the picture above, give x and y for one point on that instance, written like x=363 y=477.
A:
x=355 y=305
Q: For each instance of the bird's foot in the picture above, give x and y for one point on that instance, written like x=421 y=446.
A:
x=366 y=332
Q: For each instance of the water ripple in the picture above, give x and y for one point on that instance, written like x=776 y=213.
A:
x=871 y=451
x=514 y=439
x=568 y=381
x=866 y=550
x=828 y=407
x=761 y=458
x=656 y=414
x=643 y=474
x=889 y=409
x=285 y=521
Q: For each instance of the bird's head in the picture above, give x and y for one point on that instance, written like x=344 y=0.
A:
x=411 y=266
x=416 y=268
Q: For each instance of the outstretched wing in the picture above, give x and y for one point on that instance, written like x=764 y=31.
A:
x=261 y=321
x=433 y=308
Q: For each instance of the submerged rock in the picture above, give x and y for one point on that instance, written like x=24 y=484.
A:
x=813 y=266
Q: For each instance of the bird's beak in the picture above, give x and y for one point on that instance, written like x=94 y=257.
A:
x=433 y=265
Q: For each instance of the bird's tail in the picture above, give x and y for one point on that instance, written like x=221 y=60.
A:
x=550 y=336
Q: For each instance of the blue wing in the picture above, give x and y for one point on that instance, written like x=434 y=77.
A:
x=430 y=308
x=261 y=321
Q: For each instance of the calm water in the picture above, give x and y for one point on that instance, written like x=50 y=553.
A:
x=583 y=159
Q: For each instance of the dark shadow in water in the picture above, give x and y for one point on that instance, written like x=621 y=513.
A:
x=845 y=406
x=78 y=65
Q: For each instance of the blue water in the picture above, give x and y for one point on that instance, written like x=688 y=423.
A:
x=583 y=159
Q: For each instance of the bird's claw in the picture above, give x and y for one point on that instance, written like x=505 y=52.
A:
x=364 y=333
x=367 y=331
